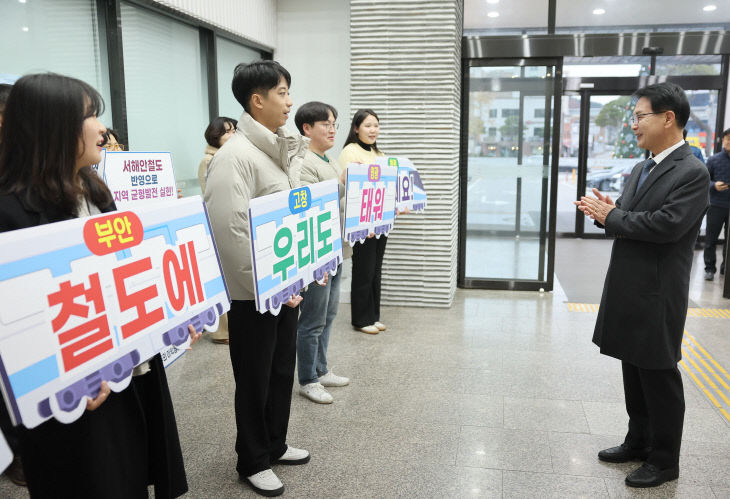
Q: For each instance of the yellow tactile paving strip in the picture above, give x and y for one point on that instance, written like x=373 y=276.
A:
x=709 y=376
x=709 y=313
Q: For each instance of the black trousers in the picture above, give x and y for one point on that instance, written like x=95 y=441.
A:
x=716 y=218
x=367 y=265
x=263 y=354
x=655 y=404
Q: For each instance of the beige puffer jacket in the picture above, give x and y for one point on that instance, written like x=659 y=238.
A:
x=254 y=162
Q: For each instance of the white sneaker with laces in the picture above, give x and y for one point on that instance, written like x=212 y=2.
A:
x=331 y=379
x=380 y=326
x=294 y=456
x=266 y=483
x=316 y=393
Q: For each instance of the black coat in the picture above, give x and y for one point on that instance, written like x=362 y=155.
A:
x=130 y=441
x=644 y=303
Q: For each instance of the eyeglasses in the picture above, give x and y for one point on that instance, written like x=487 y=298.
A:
x=329 y=126
x=115 y=147
x=635 y=118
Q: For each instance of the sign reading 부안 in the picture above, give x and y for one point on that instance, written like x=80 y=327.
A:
x=136 y=178
x=410 y=193
x=87 y=300
x=295 y=240
x=370 y=201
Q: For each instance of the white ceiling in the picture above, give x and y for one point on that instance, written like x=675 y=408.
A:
x=643 y=14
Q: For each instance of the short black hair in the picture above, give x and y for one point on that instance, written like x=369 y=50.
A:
x=725 y=133
x=312 y=112
x=217 y=129
x=4 y=92
x=667 y=96
x=255 y=77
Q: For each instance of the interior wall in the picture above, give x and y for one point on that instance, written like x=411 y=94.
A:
x=313 y=45
x=254 y=20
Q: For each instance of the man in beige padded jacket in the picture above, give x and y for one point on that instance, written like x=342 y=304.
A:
x=261 y=158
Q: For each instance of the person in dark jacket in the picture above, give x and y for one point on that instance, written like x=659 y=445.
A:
x=644 y=303
x=123 y=441
x=717 y=214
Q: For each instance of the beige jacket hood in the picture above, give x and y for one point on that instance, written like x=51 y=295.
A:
x=254 y=162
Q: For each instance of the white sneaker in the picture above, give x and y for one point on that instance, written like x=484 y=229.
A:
x=316 y=393
x=380 y=326
x=294 y=456
x=368 y=329
x=266 y=483
x=331 y=379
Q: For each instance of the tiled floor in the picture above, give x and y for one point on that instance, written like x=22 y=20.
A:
x=503 y=395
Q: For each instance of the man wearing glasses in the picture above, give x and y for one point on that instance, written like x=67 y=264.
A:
x=644 y=303
x=318 y=309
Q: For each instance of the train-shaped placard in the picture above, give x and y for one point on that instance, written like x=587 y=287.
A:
x=410 y=194
x=87 y=300
x=370 y=201
x=295 y=240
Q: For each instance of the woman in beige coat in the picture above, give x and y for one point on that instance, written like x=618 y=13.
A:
x=217 y=133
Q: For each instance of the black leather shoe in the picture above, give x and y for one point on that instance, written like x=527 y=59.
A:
x=649 y=475
x=622 y=454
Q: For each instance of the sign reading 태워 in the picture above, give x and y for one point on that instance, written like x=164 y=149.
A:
x=295 y=240
x=87 y=300
x=135 y=178
x=370 y=201
x=410 y=193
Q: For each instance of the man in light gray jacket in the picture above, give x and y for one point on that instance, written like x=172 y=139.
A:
x=259 y=159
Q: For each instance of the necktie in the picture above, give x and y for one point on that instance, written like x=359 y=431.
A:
x=648 y=165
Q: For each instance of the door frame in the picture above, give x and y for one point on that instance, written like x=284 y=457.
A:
x=546 y=264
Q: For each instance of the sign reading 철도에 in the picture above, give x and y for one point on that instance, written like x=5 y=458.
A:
x=295 y=240
x=410 y=193
x=370 y=201
x=136 y=178
x=87 y=300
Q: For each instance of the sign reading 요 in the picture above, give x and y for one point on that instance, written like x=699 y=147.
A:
x=410 y=193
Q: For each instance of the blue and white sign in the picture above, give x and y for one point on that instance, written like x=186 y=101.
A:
x=370 y=201
x=295 y=240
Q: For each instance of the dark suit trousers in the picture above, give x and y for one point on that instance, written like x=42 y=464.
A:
x=655 y=404
x=263 y=354
x=716 y=218
x=367 y=264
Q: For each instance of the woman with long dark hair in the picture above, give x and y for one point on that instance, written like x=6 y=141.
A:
x=124 y=441
x=367 y=258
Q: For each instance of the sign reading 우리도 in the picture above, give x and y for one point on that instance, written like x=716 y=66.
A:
x=87 y=300
x=295 y=240
x=410 y=193
x=370 y=201
x=136 y=178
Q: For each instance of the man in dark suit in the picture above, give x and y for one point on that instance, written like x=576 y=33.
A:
x=644 y=303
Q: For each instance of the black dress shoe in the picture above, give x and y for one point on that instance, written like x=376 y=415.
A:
x=623 y=453
x=649 y=475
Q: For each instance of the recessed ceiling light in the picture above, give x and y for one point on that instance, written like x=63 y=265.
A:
x=25 y=28
x=21 y=1
x=493 y=1
x=599 y=12
x=492 y=14
x=709 y=8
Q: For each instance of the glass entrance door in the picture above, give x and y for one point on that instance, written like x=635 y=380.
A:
x=506 y=231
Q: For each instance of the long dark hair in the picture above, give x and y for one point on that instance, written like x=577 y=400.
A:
x=39 y=143
x=357 y=120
